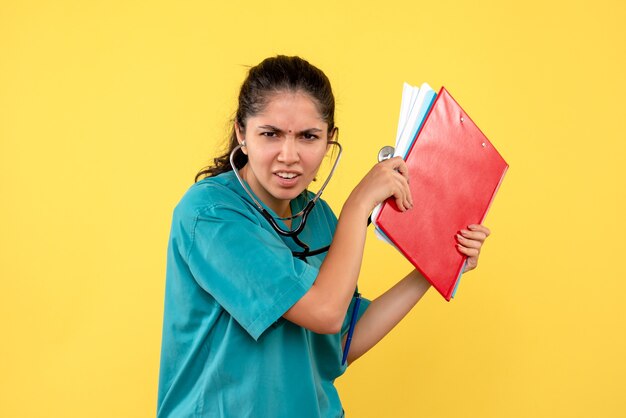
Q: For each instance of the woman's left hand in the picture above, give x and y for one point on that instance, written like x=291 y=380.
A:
x=470 y=241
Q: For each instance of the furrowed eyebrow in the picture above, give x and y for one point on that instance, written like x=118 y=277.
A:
x=275 y=129
x=270 y=127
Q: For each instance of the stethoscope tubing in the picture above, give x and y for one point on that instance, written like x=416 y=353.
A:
x=306 y=208
x=304 y=213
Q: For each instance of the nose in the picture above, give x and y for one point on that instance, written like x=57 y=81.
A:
x=288 y=152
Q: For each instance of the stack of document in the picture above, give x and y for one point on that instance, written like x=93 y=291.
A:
x=454 y=173
x=416 y=102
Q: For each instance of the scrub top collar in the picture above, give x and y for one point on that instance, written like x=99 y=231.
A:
x=296 y=204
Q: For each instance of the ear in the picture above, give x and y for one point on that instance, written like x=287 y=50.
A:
x=332 y=137
x=241 y=138
x=333 y=134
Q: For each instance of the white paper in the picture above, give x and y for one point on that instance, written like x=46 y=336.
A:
x=414 y=107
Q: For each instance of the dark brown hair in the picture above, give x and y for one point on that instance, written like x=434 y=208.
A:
x=271 y=76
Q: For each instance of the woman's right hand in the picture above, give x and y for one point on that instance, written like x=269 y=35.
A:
x=389 y=178
x=323 y=308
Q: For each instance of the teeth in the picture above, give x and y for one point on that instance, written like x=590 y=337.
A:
x=286 y=175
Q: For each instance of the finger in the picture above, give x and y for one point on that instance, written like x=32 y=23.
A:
x=403 y=184
x=397 y=194
x=402 y=192
x=400 y=203
x=481 y=228
x=470 y=252
x=468 y=242
x=398 y=164
x=478 y=236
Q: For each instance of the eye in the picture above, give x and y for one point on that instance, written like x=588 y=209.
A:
x=309 y=136
x=269 y=134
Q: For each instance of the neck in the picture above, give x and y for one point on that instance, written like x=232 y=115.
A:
x=282 y=208
x=284 y=211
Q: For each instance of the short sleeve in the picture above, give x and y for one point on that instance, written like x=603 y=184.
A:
x=246 y=268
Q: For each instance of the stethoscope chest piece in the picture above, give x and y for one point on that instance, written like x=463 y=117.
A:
x=385 y=153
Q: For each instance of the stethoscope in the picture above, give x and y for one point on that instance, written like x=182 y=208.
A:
x=304 y=213
x=384 y=154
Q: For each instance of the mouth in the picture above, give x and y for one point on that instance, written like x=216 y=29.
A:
x=287 y=179
x=286 y=175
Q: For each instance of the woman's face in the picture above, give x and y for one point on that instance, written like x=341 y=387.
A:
x=285 y=145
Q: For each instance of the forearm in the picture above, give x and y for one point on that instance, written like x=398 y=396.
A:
x=340 y=270
x=385 y=312
x=323 y=307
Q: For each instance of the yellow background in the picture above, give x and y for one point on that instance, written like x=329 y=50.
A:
x=109 y=108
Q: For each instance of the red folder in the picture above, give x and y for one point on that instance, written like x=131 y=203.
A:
x=455 y=173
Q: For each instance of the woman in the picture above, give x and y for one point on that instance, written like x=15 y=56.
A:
x=250 y=330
